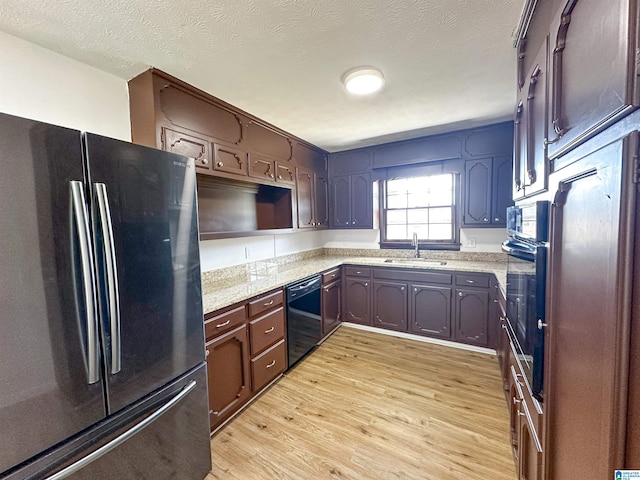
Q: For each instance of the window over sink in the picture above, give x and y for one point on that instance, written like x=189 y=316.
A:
x=426 y=205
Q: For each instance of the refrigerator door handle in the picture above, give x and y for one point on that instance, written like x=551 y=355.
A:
x=119 y=440
x=112 y=277
x=80 y=218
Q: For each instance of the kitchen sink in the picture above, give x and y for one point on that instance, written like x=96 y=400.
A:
x=421 y=261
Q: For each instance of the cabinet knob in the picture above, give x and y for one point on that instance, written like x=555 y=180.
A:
x=271 y=175
x=485 y=219
x=220 y=164
x=415 y=289
x=496 y=219
x=279 y=177
x=353 y=223
x=205 y=161
x=206 y=353
x=541 y=324
x=460 y=294
x=366 y=284
x=402 y=289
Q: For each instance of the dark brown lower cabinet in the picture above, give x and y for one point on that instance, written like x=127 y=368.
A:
x=430 y=310
x=357 y=300
x=390 y=305
x=331 y=306
x=457 y=306
x=472 y=316
x=228 y=374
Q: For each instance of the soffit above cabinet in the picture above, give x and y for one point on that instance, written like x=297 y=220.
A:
x=448 y=64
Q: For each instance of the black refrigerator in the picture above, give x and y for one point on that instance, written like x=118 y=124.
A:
x=102 y=372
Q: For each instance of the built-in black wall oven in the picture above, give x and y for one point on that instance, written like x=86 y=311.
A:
x=526 y=246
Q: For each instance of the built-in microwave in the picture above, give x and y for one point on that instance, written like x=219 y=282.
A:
x=526 y=246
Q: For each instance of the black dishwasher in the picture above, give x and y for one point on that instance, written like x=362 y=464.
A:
x=304 y=321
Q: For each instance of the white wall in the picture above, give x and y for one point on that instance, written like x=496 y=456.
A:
x=236 y=251
x=43 y=85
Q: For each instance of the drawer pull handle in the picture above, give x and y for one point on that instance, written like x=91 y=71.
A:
x=224 y=324
x=516 y=401
x=268 y=304
x=271 y=364
x=358 y=272
x=269 y=330
x=206 y=353
x=471 y=281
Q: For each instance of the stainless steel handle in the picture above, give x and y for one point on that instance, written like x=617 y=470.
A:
x=269 y=330
x=541 y=324
x=223 y=324
x=112 y=276
x=268 y=304
x=81 y=217
x=271 y=364
x=207 y=353
x=520 y=414
x=518 y=377
x=83 y=462
x=471 y=281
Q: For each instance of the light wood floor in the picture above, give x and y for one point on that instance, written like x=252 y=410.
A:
x=370 y=406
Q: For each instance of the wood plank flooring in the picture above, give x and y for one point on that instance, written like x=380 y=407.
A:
x=366 y=406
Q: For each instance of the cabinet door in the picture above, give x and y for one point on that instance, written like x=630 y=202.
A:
x=304 y=191
x=331 y=306
x=535 y=168
x=530 y=449
x=357 y=300
x=430 y=310
x=361 y=201
x=285 y=173
x=230 y=160
x=261 y=168
x=519 y=146
x=594 y=69
x=472 y=316
x=321 y=204
x=584 y=386
x=390 y=305
x=228 y=374
x=341 y=202
x=501 y=189
x=189 y=146
x=477 y=203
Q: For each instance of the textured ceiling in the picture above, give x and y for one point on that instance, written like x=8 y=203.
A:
x=448 y=63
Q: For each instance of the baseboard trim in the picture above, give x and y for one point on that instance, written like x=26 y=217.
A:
x=420 y=338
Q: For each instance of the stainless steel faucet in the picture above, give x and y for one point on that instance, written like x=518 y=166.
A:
x=414 y=243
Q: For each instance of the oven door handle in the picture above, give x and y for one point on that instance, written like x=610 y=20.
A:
x=519 y=250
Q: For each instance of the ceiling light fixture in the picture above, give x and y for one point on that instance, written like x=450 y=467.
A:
x=363 y=80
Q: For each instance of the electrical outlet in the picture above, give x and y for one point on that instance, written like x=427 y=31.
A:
x=247 y=253
x=471 y=243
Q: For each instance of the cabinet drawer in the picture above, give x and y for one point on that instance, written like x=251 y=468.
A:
x=223 y=322
x=351 y=271
x=472 y=280
x=262 y=304
x=268 y=365
x=330 y=276
x=266 y=330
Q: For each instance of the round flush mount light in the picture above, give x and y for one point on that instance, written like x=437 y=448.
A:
x=363 y=80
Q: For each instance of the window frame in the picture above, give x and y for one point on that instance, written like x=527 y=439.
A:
x=453 y=244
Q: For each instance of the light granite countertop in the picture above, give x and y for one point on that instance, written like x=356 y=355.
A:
x=221 y=293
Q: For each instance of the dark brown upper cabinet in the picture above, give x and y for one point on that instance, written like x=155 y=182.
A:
x=594 y=70
x=487 y=192
x=352 y=201
x=230 y=160
x=530 y=163
x=264 y=140
x=312 y=198
x=189 y=146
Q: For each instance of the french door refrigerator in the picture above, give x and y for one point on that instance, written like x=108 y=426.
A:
x=102 y=372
